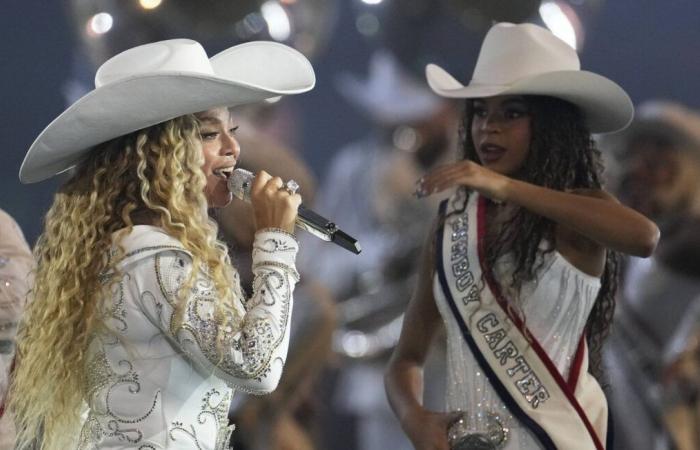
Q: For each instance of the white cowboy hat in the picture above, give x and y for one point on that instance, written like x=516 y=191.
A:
x=389 y=95
x=527 y=59
x=155 y=82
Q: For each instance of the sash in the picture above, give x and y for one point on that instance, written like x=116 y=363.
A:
x=563 y=414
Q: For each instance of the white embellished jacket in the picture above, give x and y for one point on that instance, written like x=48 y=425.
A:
x=152 y=386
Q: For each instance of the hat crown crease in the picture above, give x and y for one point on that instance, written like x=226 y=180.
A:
x=501 y=59
x=175 y=55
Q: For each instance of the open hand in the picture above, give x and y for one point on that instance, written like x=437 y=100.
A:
x=464 y=173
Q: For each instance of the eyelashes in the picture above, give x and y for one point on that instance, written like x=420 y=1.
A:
x=210 y=135
x=507 y=113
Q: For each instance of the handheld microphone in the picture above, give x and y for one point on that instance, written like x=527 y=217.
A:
x=240 y=182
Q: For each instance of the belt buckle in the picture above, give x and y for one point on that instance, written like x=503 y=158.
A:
x=462 y=437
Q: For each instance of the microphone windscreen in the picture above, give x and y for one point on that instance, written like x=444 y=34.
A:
x=240 y=182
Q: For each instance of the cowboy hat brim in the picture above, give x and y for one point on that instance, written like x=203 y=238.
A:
x=243 y=74
x=605 y=105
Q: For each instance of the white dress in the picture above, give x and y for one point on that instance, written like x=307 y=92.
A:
x=151 y=387
x=556 y=307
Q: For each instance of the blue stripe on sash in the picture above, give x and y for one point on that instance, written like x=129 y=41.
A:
x=500 y=389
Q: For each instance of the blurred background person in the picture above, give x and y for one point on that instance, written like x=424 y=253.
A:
x=659 y=169
x=681 y=382
x=369 y=185
x=16 y=264
x=369 y=188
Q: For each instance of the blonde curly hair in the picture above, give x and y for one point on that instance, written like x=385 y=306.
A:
x=154 y=173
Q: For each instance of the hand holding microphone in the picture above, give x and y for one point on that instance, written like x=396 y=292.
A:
x=274 y=206
x=248 y=187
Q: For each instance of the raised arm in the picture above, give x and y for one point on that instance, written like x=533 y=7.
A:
x=594 y=215
x=253 y=351
x=404 y=375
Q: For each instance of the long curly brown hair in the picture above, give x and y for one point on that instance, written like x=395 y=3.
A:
x=562 y=156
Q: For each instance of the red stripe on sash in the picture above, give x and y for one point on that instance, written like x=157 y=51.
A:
x=495 y=288
x=575 y=370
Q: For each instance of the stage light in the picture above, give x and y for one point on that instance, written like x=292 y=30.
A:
x=150 y=4
x=100 y=23
x=303 y=24
x=355 y=344
x=371 y=2
x=406 y=138
x=558 y=22
x=277 y=20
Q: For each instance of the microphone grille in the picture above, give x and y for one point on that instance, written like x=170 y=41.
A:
x=240 y=183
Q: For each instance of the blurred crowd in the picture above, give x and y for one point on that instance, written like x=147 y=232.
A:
x=652 y=356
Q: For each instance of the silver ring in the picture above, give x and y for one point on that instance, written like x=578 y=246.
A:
x=292 y=187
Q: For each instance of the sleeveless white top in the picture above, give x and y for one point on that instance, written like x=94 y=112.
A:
x=556 y=307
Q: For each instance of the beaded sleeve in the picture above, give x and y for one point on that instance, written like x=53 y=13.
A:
x=255 y=350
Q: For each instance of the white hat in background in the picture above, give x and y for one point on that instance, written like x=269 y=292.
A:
x=389 y=95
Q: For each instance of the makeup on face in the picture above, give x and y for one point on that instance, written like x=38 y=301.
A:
x=221 y=151
x=501 y=132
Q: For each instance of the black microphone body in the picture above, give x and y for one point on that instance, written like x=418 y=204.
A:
x=240 y=182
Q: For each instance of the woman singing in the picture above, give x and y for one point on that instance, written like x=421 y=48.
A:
x=138 y=332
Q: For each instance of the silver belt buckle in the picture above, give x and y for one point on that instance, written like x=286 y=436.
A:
x=494 y=437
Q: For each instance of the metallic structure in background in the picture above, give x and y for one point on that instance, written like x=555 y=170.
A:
x=107 y=27
x=370 y=319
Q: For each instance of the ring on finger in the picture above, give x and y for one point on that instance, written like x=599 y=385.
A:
x=291 y=186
